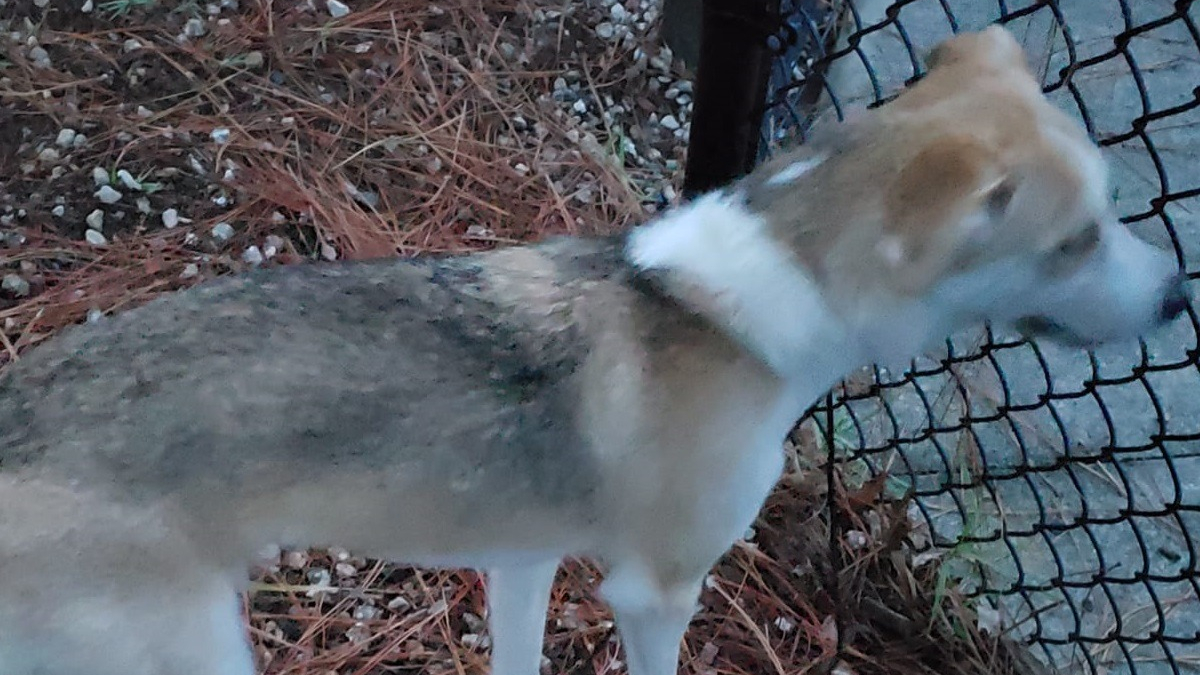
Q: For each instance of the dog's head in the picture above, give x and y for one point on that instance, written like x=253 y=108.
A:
x=970 y=197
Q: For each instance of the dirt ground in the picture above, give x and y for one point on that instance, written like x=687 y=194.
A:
x=147 y=146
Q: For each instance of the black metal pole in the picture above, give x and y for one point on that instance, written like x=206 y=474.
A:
x=731 y=90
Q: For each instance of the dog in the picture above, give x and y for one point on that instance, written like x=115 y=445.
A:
x=621 y=398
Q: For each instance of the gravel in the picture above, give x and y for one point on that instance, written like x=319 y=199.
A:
x=337 y=9
x=65 y=138
x=15 y=284
x=95 y=220
x=108 y=195
x=126 y=179
x=194 y=28
x=295 y=559
x=95 y=238
x=272 y=246
x=222 y=231
x=253 y=256
x=170 y=218
x=40 y=58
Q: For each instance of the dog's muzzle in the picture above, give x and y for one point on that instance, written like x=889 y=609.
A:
x=1175 y=300
x=1041 y=326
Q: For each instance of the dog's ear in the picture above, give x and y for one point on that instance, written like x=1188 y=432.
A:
x=944 y=202
x=992 y=47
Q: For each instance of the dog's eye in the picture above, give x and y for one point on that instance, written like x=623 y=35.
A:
x=1081 y=243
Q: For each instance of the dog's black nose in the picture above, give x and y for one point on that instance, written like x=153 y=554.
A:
x=1176 y=300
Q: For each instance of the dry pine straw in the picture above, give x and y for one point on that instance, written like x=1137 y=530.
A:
x=399 y=129
x=426 y=126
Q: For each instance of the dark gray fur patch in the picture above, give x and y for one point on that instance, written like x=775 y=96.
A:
x=406 y=368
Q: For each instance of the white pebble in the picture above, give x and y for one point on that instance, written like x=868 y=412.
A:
x=80 y=141
x=618 y=12
x=252 y=256
x=189 y=270
x=222 y=231
x=605 y=30
x=345 y=569
x=365 y=613
x=170 y=218
x=40 y=57
x=475 y=640
x=856 y=539
x=272 y=245
x=143 y=205
x=220 y=135
x=48 y=156
x=194 y=28
x=131 y=45
x=66 y=138
x=127 y=179
x=359 y=633
x=108 y=195
x=294 y=559
x=669 y=122
x=14 y=284
x=95 y=238
x=87 y=7
x=337 y=9
x=319 y=577
x=95 y=220
x=580 y=106
x=95 y=315
x=100 y=176
x=58 y=211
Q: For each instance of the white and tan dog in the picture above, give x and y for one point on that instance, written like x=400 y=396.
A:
x=623 y=398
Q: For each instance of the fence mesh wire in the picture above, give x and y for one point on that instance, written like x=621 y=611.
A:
x=1063 y=488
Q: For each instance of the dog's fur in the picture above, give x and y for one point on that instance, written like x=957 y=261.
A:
x=619 y=398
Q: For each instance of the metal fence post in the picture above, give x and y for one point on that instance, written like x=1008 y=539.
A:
x=731 y=90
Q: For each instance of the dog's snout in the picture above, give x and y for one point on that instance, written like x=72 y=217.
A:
x=1175 y=302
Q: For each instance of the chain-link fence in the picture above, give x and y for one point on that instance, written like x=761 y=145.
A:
x=1063 y=488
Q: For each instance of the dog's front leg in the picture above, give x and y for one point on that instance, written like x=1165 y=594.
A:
x=517 y=601
x=651 y=618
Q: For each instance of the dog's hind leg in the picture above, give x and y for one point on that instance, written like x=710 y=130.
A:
x=651 y=618
x=517 y=601
x=93 y=587
x=108 y=628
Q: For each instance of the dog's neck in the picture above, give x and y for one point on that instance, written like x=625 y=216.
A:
x=718 y=258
